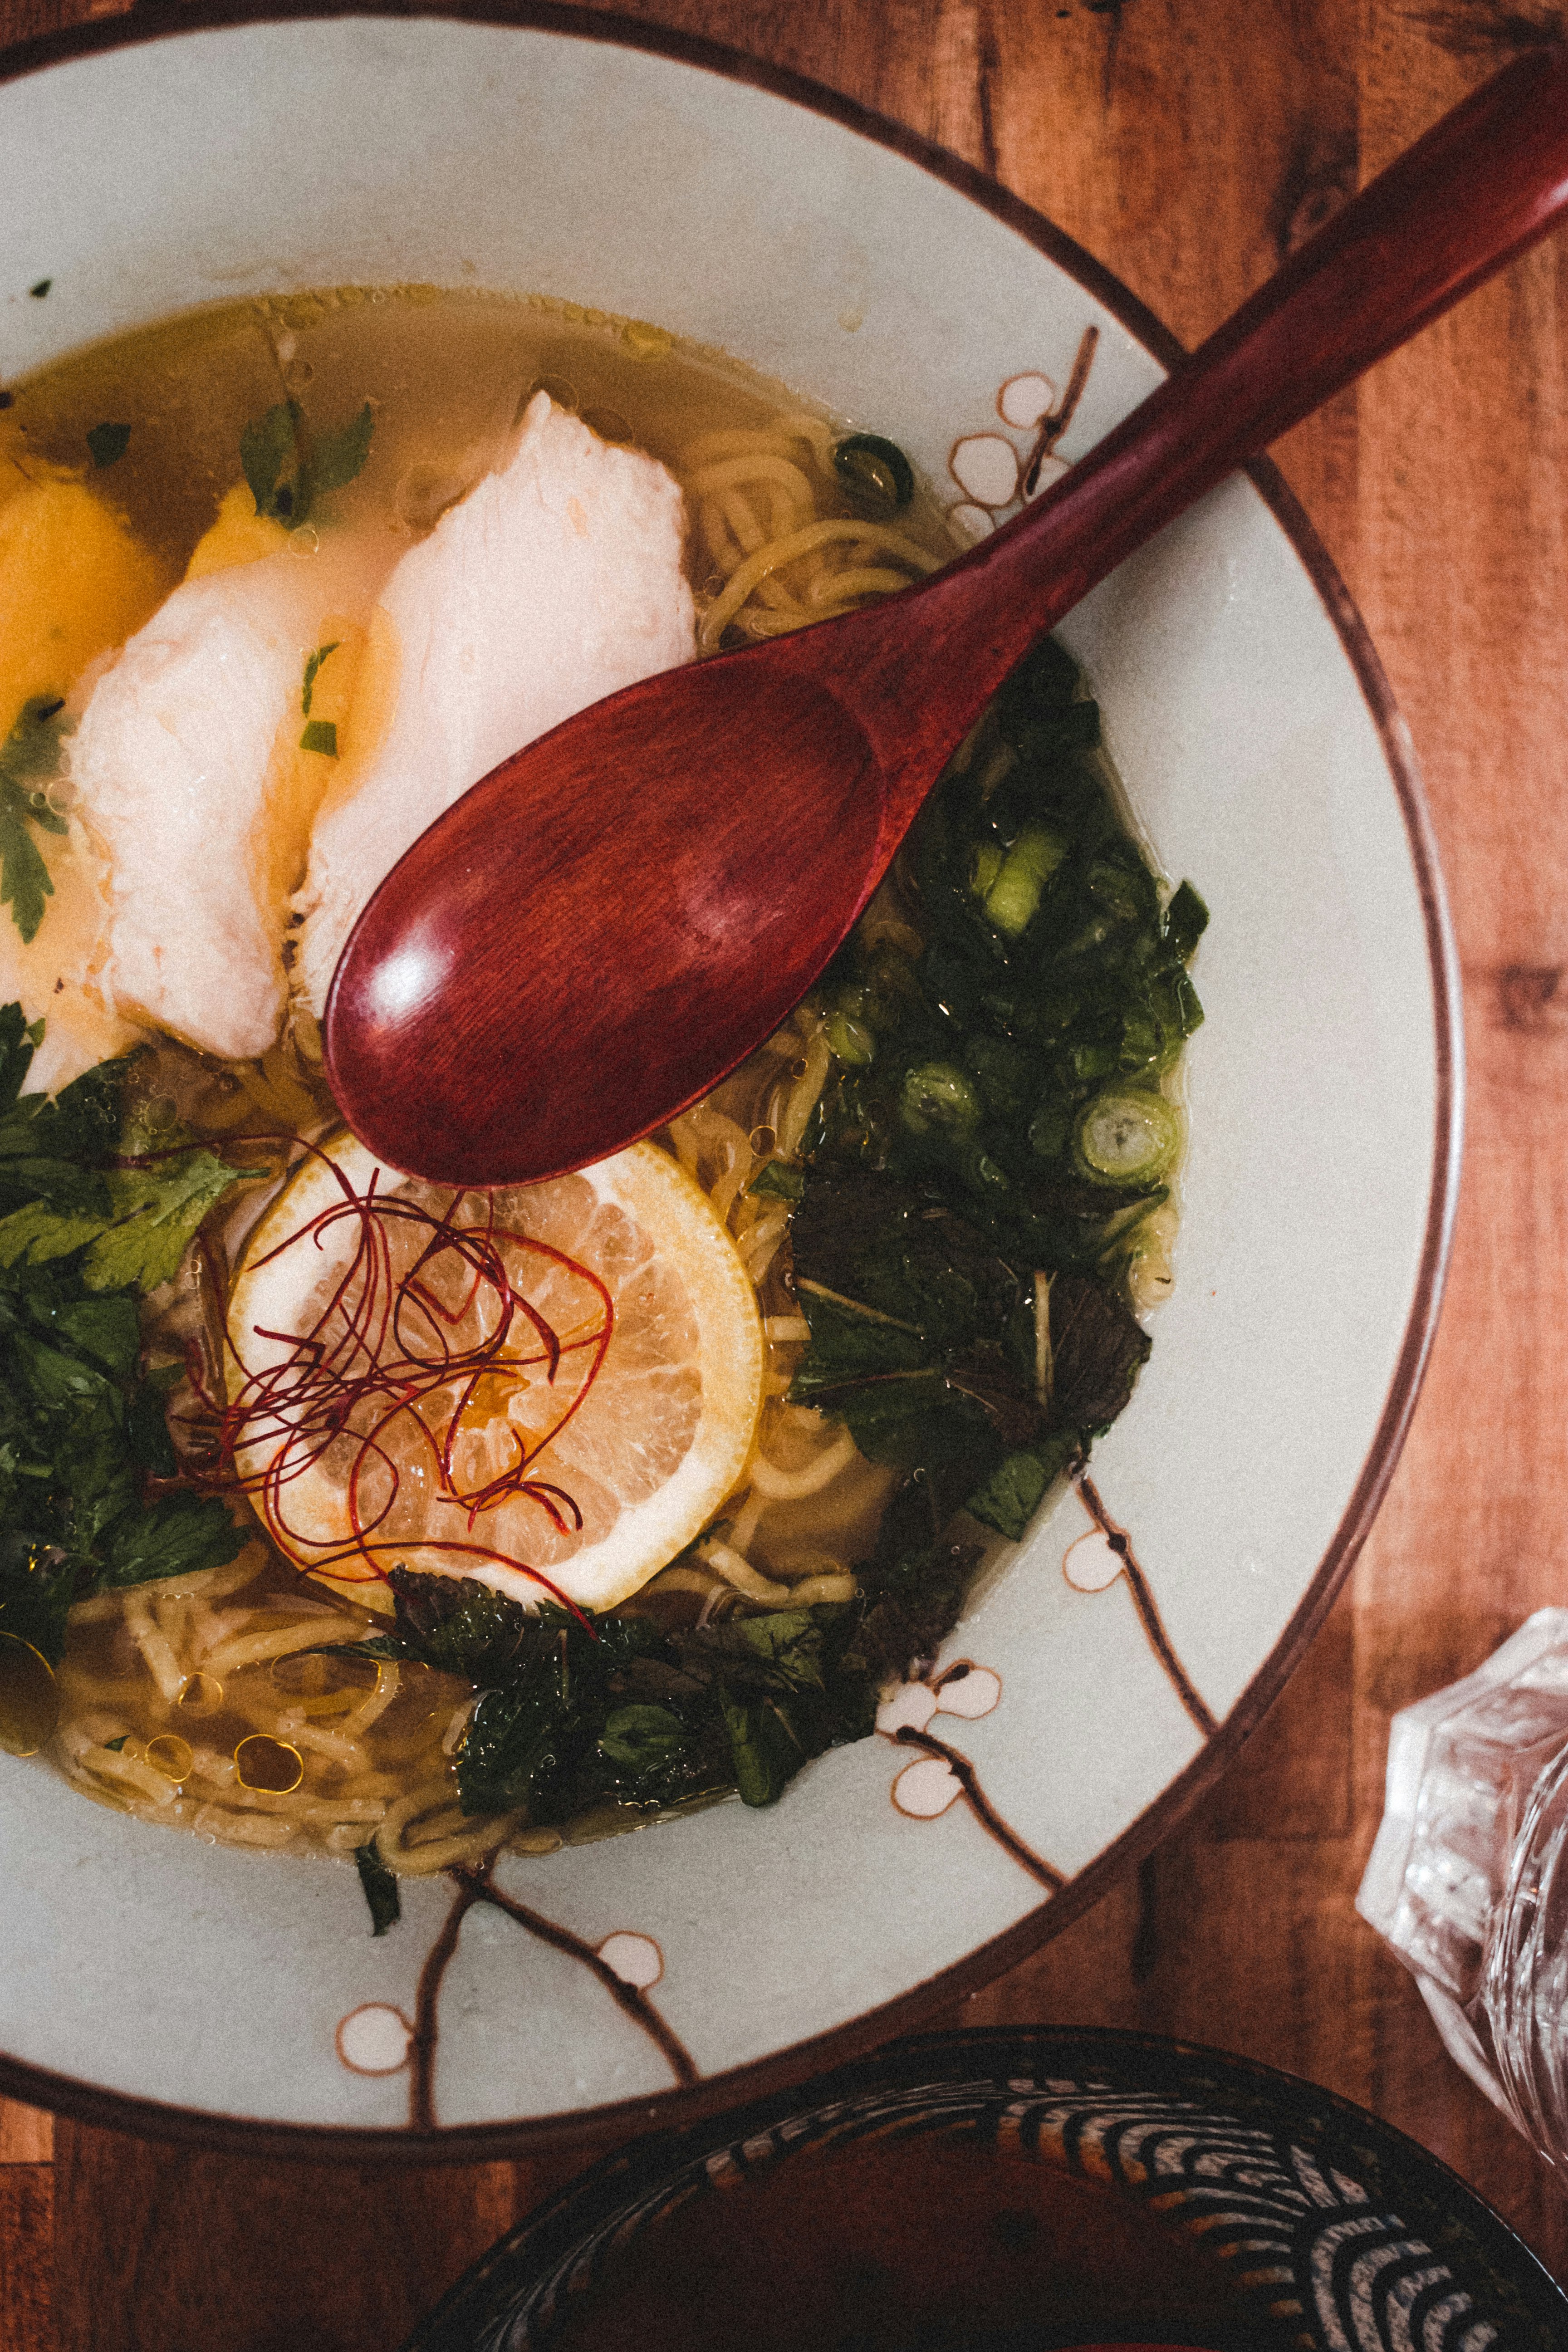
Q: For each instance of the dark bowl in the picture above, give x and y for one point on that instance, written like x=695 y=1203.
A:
x=1019 y=2190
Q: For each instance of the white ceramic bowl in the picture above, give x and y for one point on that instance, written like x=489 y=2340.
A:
x=154 y=1983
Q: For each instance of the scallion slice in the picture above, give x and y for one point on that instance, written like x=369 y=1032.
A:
x=1126 y=1136
x=865 y=463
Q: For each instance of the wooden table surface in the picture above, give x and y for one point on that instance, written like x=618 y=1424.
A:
x=1187 y=147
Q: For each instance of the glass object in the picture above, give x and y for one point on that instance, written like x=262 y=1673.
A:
x=1468 y=1882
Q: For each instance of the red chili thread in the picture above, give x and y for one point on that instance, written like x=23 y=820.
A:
x=383 y=1346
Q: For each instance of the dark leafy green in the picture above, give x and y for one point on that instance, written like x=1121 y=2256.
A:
x=87 y=1497
x=380 y=1886
x=941 y=1206
x=107 y=444
x=29 y=759
x=321 y=735
x=875 y=472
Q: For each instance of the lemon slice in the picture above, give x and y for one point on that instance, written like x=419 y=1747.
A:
x=549 y=1388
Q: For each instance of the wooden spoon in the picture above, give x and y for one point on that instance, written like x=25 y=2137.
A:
x=611 y=920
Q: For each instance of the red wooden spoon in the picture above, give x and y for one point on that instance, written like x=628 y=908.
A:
x=609 y=921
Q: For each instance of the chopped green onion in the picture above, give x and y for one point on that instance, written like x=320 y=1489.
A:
x=984 y=866
x=1015 y=895
x=1127 y=1136
x=321 y=735
x=865 y=463
x=850 y=1040
x=939 y=1095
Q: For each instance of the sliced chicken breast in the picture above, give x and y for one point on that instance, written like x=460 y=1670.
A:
x=555 y=582
x=189 y=773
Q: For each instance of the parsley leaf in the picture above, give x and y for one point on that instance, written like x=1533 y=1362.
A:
x=312 y=671
x=175 y=1536
x=18 y=1043
x=267 y=446
x=287 y=467
x=30 y=756
x=82 y=1426
x=149 y=1219
x=156 y=1213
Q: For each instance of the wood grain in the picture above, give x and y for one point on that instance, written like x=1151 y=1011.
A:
x=1186 y=148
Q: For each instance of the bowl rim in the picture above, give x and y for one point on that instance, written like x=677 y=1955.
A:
x=147 y=21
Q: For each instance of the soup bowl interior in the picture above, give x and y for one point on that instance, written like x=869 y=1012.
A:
x=1146 y=1620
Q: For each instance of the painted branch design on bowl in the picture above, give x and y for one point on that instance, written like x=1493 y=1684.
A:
x=474 y=1883
x=378 y=2039
x=1097 y=1561
x=991 y=470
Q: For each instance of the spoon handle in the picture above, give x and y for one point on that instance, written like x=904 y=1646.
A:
x=1482 y=185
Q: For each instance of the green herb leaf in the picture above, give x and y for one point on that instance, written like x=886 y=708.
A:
x=38 y=1585
x=267 y=447
x=147 y=1428
x=156 y=1213
x=850 y=1343
x=104 y=1330
x=779 y=1182
x=175 y=1536
x=288 y=467
x=1097 y=1349
x=767 y=1753
x=1009 y=1499
x=340 y=455
x=459 y=1626
x=642 y=1736
x=108 y=442
x=81 y=1425
x=380 y=1886
x=29 y=757
x=1186 y=920
x=321 y=735
x=911 y=1594
x=18 y=1042
x=37 y=1233
x=115 y=1747
x=312 y=671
